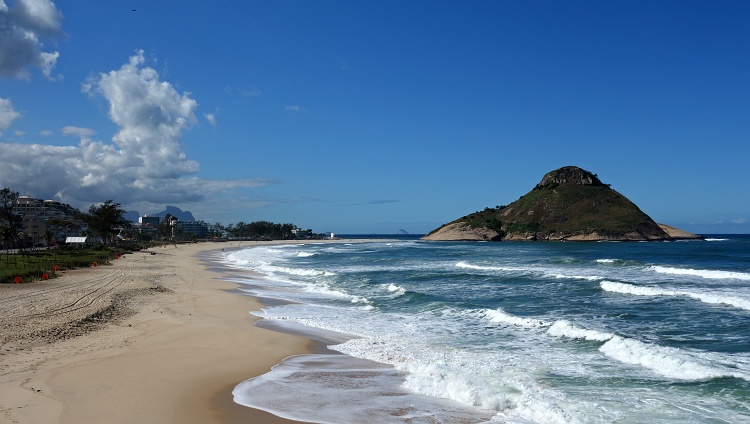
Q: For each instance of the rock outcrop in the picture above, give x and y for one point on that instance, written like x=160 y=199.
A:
x=569 y=204
x=462 y=231
x=678 y=234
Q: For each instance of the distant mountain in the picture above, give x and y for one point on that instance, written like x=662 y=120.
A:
x=568 y=204
x=176 y=212
x=402 y=231
x=132 y=216
x=181 y=215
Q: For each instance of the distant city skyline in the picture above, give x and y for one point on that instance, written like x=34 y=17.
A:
x=371 y=117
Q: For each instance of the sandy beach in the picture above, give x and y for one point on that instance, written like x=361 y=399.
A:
x=154 y=337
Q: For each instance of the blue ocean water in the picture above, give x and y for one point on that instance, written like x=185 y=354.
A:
x=654 y=332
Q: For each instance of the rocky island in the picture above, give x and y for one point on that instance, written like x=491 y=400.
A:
x=569 y=204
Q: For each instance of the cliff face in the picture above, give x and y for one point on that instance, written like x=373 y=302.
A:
x=568 y=204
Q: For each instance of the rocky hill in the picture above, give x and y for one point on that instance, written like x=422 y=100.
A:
x=568 y=204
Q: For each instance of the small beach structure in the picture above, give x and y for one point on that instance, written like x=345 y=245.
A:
x=76 y=241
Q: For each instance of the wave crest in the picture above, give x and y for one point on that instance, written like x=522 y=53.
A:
x=563 y=328
x=667 y=361
x=710 y=298
x=501 y=317
x=703 y=273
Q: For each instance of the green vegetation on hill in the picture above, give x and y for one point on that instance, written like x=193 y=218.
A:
x=569 y=210
x=568 y=202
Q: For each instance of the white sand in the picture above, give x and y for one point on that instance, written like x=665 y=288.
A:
x=170 y=350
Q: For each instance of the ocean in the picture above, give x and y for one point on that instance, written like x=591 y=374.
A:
x=507 y=332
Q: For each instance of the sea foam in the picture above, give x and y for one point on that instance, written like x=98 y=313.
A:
x=710 y=298
x=563 y=328
x=342 y=389
x=501 y=317
x=669 y=362
x=395 y=290
x=703 y=273
x=463 y=376
x=466 y=265
x=550 y=272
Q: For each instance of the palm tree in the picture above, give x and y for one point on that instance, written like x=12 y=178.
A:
x=166 y=227
x=106 y=220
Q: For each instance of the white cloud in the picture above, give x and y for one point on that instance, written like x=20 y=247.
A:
x=46 y=133
x=40 y=16
x=7 y=113
x=293 y=108
x=739 y=221
x=47 y=62
x=151 y=115
x=242 y=91
x=77 y=131
x=211 y=118
x=145 y=164
x=21 y=27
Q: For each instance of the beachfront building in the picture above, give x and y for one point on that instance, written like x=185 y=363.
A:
x=196 y=229
x=302 y=234
x=45 y=221
x=152 y=221
x=147 y=228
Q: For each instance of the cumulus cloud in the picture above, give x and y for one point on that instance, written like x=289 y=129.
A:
x=22 y=26
x=144 y=164
x=7 y=113
x=211 y=118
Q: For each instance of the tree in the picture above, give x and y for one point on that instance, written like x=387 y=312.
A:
x=61 y=227
x=106 y=220
x=166 y=229
x=262 y=229
x=10 y=221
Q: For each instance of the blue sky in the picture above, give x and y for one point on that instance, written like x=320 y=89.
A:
x=370 y=117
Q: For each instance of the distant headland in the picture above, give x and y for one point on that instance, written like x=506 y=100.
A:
x=569 y=204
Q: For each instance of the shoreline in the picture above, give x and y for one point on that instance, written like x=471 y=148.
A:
x=183 y=343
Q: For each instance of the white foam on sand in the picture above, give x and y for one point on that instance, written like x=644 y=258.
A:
x=346 y=390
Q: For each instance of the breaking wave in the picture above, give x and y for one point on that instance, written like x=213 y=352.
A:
x=703 y=273
x=710 y=298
